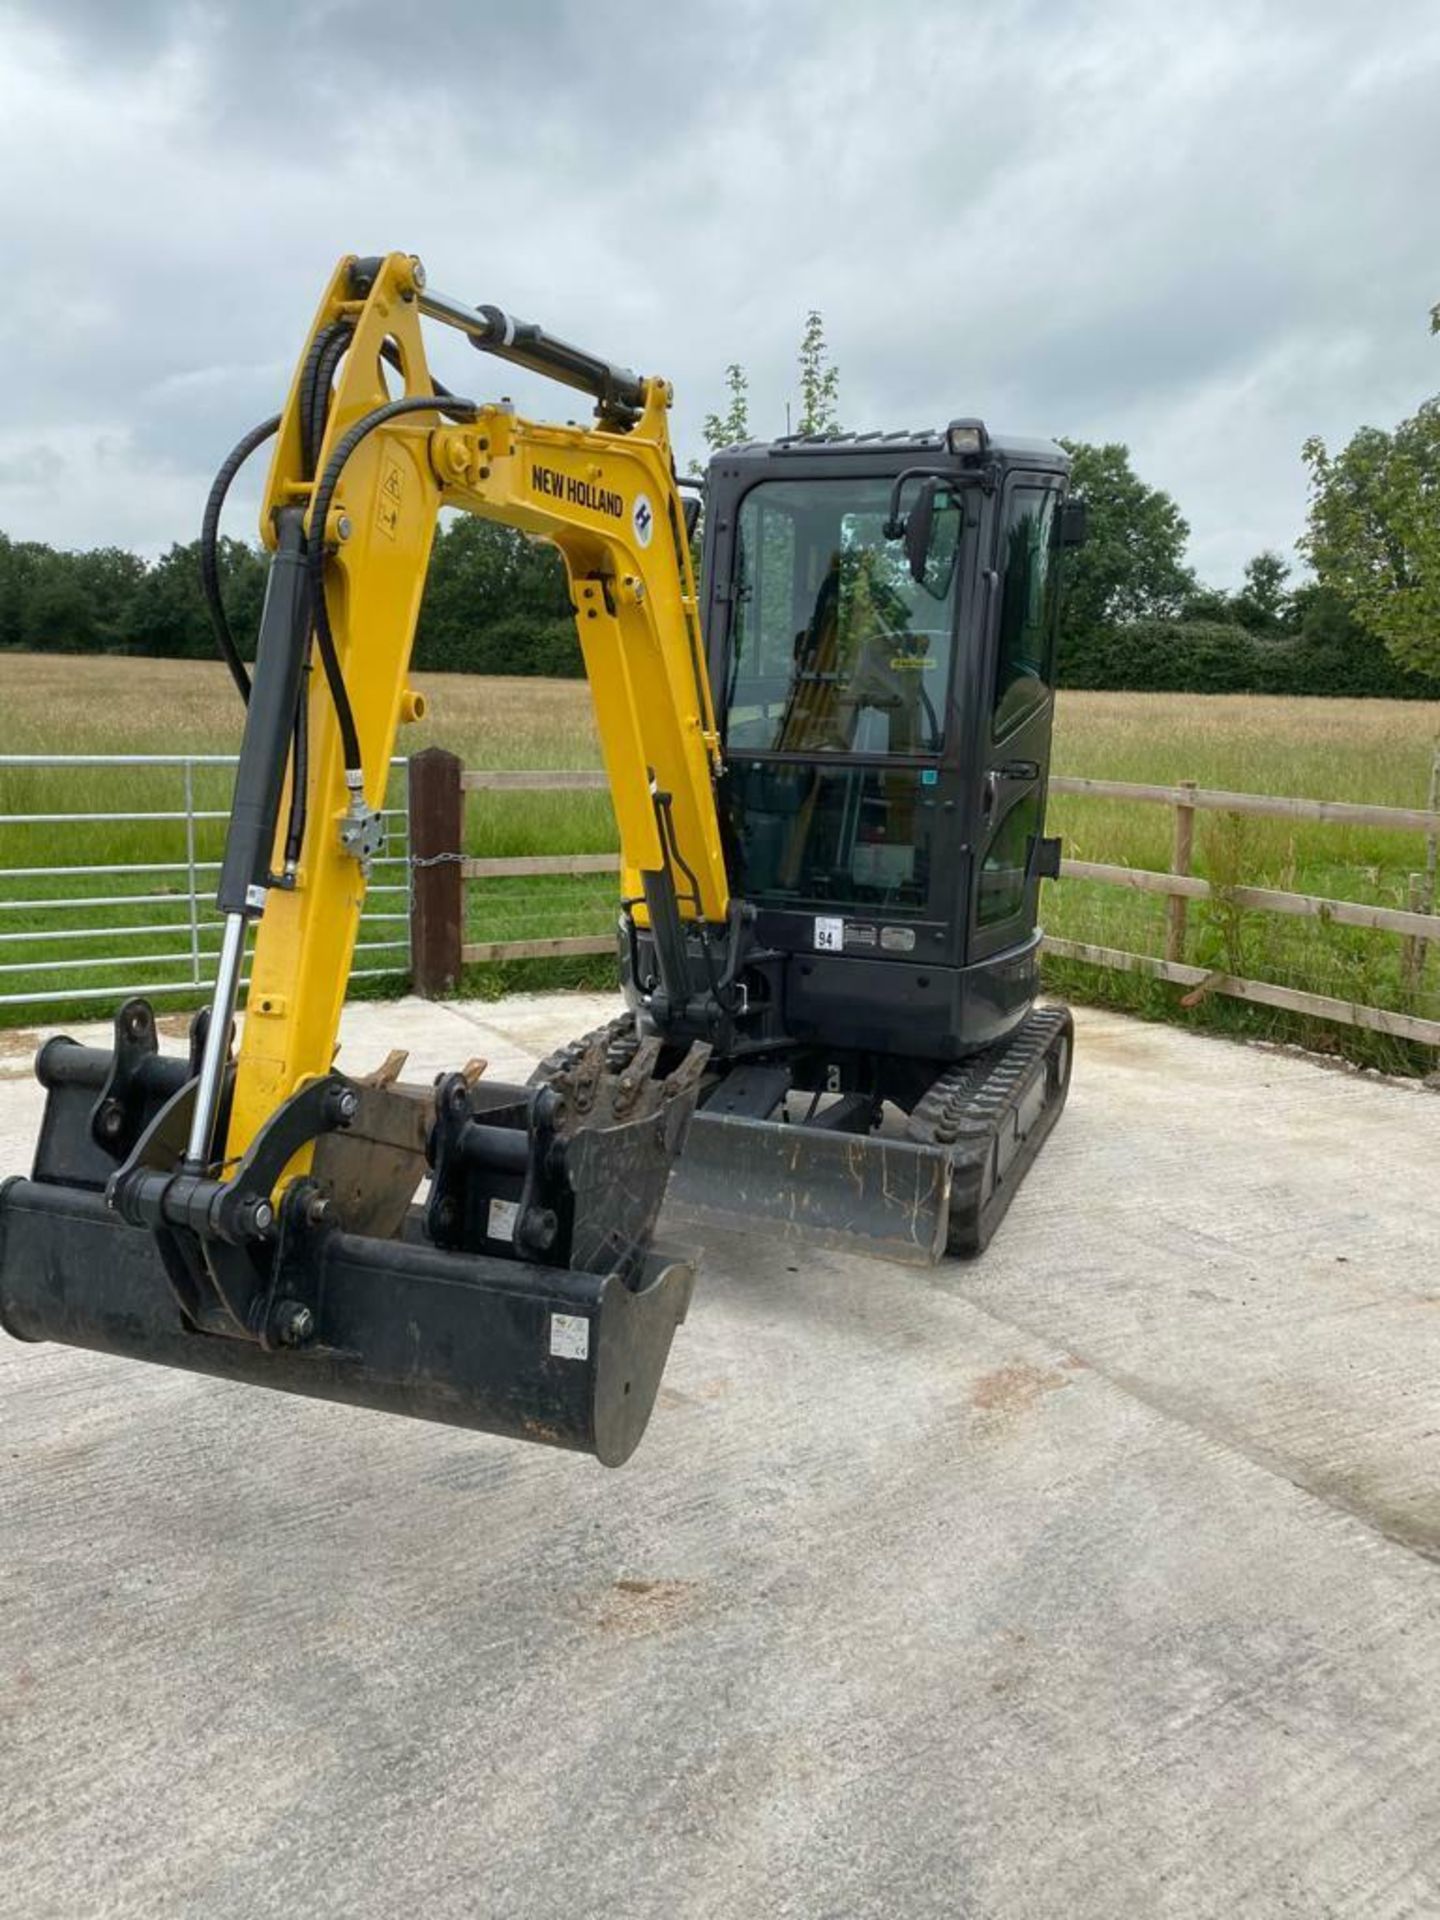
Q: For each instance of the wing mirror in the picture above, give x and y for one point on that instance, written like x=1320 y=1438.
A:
x=690 y=505
x=1074 y=524
x=932 y=537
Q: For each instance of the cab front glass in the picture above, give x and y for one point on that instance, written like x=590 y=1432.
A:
x=835 y=651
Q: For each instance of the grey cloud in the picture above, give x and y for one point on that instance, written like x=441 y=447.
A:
x=1200 y=229
x=31 y=466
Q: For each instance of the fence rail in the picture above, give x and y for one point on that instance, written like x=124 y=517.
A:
x=561 y=780
x=1312 y=906
x=1265 y=993
x=42 y=933
x=1180 y=886
x=1334 y=813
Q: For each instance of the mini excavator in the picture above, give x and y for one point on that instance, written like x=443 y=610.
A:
x=830 y=797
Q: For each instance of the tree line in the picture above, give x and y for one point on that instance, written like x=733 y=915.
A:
x=1135 y=617
x=494 y=602
x=1367 y=621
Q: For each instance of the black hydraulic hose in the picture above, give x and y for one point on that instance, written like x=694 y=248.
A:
x=664 y=809
x=327 y=345
x=313 y=398
x=321 y=392
x=299 y=769
x=317 y=377
x=721 y=983
x=317 y=380
x=319 y=514
x=209 y=550
x=697 y=665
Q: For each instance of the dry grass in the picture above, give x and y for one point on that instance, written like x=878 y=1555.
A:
x=1367 y=750
x=63 y=703
x=1375 y=750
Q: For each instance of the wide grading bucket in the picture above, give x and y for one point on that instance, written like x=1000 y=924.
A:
x=535 y=1353
x=523 y=1297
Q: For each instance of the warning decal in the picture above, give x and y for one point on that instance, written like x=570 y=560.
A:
x=569 y=1336
x=392 y=493
x=500 y=1222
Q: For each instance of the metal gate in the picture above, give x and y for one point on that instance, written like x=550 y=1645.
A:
x=88 y=926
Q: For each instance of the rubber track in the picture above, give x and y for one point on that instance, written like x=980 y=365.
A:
x=965 y=1111
x=621 y=1041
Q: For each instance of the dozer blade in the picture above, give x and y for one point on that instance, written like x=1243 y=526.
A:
x=944 y=1189
x=857 y=1192
x=524 y=1297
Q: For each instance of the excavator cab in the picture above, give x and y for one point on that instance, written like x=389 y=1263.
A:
x=881 y=617
x=886 y=715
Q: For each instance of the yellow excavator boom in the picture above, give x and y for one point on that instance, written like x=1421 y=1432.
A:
x=605 y=496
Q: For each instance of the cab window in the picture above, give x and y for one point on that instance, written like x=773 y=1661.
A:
x=834 y=647
x=1025 y=665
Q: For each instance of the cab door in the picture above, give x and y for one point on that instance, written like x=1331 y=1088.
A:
x=1019 y=698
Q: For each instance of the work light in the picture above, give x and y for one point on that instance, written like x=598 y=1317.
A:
x=966 y=436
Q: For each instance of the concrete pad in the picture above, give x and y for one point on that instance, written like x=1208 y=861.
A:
x=1092 y=1579
x=1251 y=1242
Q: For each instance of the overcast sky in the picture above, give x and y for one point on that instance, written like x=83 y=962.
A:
x=1207 y=231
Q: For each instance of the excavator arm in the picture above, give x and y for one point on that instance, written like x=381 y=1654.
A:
x=258 y=1214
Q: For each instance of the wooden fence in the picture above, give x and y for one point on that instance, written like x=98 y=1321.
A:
x=440 y=868
x=1181 y=886
x=439 y=784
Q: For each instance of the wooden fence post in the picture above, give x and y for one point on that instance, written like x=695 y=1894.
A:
x=436 y=879
x=1177 y=906
x=1412 y=951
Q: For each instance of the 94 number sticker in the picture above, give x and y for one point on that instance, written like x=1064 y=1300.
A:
x=829 y=934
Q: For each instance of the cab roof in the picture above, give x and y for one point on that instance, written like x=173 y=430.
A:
x=1010 y=449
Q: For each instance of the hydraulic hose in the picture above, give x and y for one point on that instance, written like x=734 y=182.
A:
x=316 y=380
x=209 y=550
x=317 y=377
x=299 y=770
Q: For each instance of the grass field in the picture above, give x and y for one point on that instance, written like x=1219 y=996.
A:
x=1377 y=751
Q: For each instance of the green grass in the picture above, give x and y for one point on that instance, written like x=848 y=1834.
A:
x=52 y=704
x=1369 y=751
x=1375 y=751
